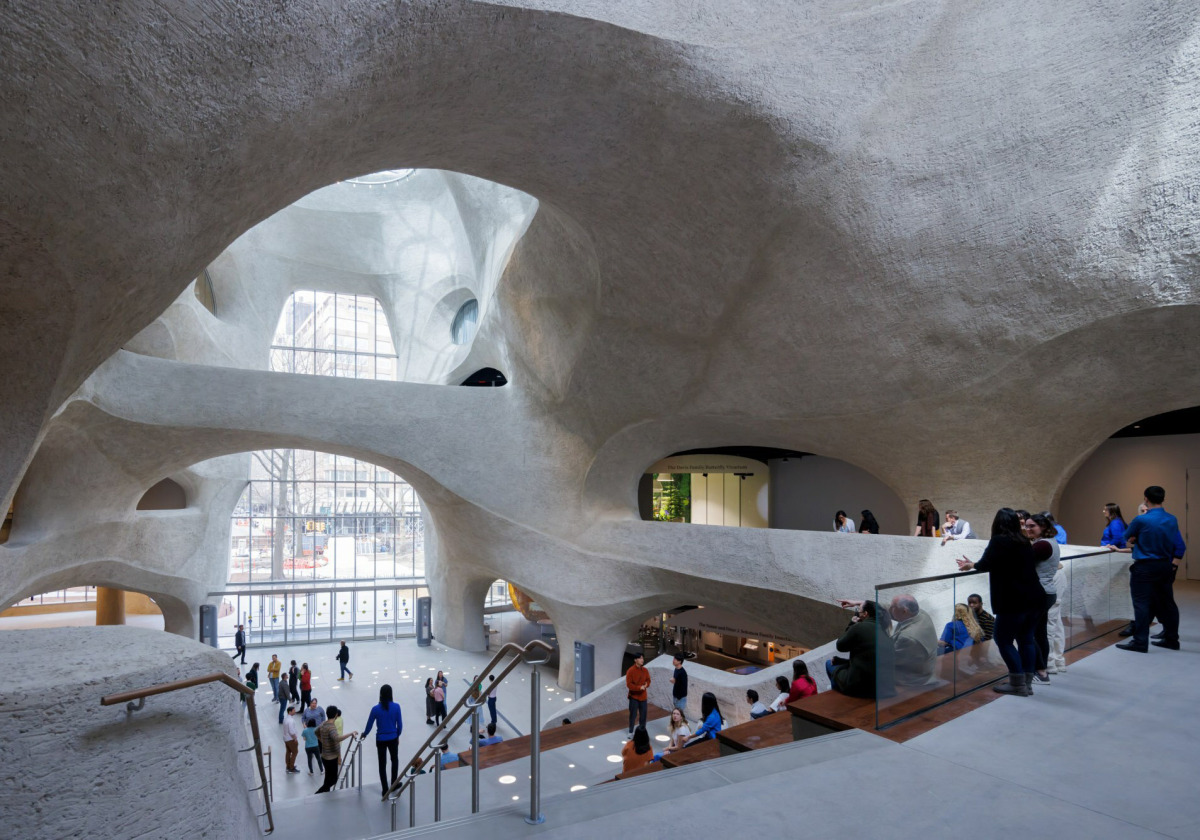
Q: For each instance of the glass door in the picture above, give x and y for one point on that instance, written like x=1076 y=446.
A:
x=365 y=614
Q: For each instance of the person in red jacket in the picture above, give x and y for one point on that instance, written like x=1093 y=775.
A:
x=637 y=680
x=802 y=684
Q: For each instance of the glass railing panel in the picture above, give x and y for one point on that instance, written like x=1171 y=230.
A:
x=913 y=617
x=977 y=660
x=1093 y=595
x=1096 y=598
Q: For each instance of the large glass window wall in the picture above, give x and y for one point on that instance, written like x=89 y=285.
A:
x=321 y=544
x=307 y=515
x=330 y=334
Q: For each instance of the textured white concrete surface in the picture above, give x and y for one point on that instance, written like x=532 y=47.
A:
x=926 y=238
x=74 y=768
x=844 y=237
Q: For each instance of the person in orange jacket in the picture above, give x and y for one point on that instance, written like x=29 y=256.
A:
x=637 y=680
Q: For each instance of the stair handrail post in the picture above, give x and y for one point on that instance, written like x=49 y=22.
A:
x=476 y=718
x=437 y=784
x=412 y=799
x=535 y=747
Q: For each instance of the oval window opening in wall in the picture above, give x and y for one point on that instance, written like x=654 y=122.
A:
x=486 y=378
x=465 y=321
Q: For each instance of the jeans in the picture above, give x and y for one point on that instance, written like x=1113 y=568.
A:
x=313 y=754
x=274 y=685
x=680 y=703
x=345 y=670
x=637 y=712
x=1150 y=586
x=1014 y=640
x=384 y=748
x=282 y=710
x=492 y=708
x=1040 y=635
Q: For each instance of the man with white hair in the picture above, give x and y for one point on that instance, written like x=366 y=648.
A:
x=914 y=640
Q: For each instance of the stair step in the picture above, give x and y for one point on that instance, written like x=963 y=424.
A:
x=512 y=749
x=606 y=799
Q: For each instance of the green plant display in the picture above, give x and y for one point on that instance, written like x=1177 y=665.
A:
x=674 y=502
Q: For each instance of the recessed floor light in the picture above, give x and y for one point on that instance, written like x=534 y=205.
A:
x=578 y=787
x=614 y=759
x=661 y=738
x=570 y=765
x=507 y=780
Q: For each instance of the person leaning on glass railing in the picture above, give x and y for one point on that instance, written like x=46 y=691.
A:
x=1157 y=548
x=1017 y=598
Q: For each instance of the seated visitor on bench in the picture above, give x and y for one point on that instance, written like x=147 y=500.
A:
x=785 y=689
x=710 y=714
x=962 y=632
x=680 y=732
x=802 y=684
x=492 y=737
x=915 y=642
x=757 y=709
x=869 y=663
x=636 y=752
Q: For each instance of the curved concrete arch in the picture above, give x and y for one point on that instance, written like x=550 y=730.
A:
x=846 y=237
x=178 y=614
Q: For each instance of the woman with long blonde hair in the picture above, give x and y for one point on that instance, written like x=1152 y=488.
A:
x=962 y=632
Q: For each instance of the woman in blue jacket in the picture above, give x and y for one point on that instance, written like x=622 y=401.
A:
x=710 y=713
x=1114 y=527
x=386 y=715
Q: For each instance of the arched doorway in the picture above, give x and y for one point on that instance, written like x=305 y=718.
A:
x=1162 y=450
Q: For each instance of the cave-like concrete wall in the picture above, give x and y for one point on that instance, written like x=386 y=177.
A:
x=923 y=238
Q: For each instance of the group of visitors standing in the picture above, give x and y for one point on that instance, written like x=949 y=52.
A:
x=435 y=698
x=637 y=750
x=843 y=524
x=1026 y=574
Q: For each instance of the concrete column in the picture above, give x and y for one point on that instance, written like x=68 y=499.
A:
x=110 y=606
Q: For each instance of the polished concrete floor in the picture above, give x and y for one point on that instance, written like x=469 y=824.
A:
x=1107 y=750
x=405 y=666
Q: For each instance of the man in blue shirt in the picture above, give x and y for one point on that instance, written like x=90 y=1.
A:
x=492 y=737
x=1157 y=549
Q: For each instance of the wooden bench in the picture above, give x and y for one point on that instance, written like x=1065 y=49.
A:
x=768 y=731
x=511 y=749
x=693 y=755
x=830 y=711
x=652 y=767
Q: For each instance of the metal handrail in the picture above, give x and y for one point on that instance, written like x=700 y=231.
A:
x=349 y=773
x=472 y=699
x=142 y=693
x=949 y=575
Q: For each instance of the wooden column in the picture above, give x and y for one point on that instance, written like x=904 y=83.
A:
x=110 y=606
